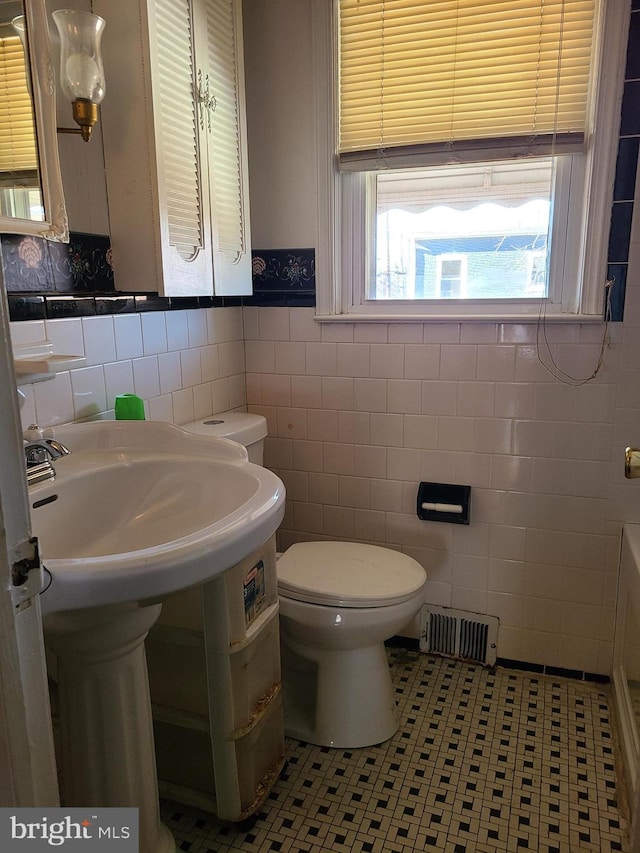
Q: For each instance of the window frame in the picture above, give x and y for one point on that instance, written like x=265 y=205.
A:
x=583 y=201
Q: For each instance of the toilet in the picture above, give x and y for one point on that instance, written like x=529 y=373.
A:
x=338 y=603
x=245 y=428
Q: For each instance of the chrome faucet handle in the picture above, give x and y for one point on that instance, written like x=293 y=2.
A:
x=36 y=452
x=58 y=448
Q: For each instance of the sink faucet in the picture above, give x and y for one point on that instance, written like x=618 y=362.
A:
x=38 y=456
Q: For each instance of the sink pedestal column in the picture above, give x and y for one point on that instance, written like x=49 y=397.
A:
x=107 y=752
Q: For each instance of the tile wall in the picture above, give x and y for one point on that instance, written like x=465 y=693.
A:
x=184 y=364
x=359 y=414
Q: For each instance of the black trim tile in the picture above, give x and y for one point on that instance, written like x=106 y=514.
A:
x=151 y=302
x=59 y=307
x=626 y=168
x=618 y=274
x=632 y=71
x=115 y=304
x=26 y=307
x=620 y=233
x=630 y=123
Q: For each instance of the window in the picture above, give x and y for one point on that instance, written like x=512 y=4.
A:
x=472 y=180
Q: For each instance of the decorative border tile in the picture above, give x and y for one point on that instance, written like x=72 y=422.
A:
x=81 y=266
x=283 y=276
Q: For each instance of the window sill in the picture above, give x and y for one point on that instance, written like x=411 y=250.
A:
x=458 y=318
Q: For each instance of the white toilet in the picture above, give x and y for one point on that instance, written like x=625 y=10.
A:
x=339 y=602
x=245 y=428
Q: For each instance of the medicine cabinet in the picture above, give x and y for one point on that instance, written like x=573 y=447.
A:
x=174 y=137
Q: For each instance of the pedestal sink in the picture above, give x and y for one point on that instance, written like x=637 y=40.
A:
x=137 y=511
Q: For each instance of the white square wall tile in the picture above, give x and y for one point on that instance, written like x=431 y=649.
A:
x=458 y=361
x=221 y=395
x=387 y=361
x=421 y=361
x=471 y=571
x=354 y=359
x=260 y=356
x=66 y=336
x=170 y=371
x=182 y=401
x=497 y=363
x=202 y=401
x=404 y=396
x=232 y=358
x=128 y=333
x=405 y=333
x=210 y=362
x=250 y=326
x=177 y=330
x=302 y=325
x=99 y=340
x=191 y=367
x=197 y=328
x=290 y=357
x=146 y=378
x=154 y=332
x=54 y=400
x=27 y=406
x=28 y=332
x=492 y=435
x=89 y=392
x=322 y=359
x=420 y=431
x=118 y=378
x=237 y=391
x=274 y=324
x=370 y=395
x=161 y=409
x=476 y=398
x=387 y=430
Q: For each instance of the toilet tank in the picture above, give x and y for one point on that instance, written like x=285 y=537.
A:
x=245 y=428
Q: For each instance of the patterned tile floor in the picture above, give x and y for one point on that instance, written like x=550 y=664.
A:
x=483 y=762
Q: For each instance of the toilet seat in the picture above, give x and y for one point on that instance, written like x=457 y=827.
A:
x=348 y=574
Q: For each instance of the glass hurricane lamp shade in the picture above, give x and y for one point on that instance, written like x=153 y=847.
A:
x=19 y=25
x=81 y=71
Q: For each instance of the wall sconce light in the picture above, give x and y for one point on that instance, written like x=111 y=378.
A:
x=81 y=71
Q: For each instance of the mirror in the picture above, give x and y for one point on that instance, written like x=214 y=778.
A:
x=31 y=197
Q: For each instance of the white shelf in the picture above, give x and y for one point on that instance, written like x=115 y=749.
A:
x=38 y=361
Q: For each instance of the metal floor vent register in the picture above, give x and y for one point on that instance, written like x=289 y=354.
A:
x=459 y=634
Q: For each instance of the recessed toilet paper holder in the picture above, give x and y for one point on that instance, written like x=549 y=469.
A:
x=444 y=502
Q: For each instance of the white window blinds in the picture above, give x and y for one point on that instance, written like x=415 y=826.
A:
x=18 y=151
x=430 y=82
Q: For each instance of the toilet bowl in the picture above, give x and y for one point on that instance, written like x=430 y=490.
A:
x=339 y=602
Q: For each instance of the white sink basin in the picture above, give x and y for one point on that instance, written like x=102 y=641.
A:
x=142 y=509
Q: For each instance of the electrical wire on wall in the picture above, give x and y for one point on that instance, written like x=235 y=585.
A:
x=545 y=354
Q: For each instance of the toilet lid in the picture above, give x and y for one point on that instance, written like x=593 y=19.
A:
x=348 y=574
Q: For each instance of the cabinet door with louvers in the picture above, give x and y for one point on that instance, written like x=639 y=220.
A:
x=166 y=181
x=222 y=68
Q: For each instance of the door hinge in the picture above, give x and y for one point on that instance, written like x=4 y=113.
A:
x=29 y=559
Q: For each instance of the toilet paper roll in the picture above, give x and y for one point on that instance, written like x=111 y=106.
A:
x=438 y=507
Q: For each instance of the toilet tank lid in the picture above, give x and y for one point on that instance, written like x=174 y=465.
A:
x=244 y=427
x=348 y=573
